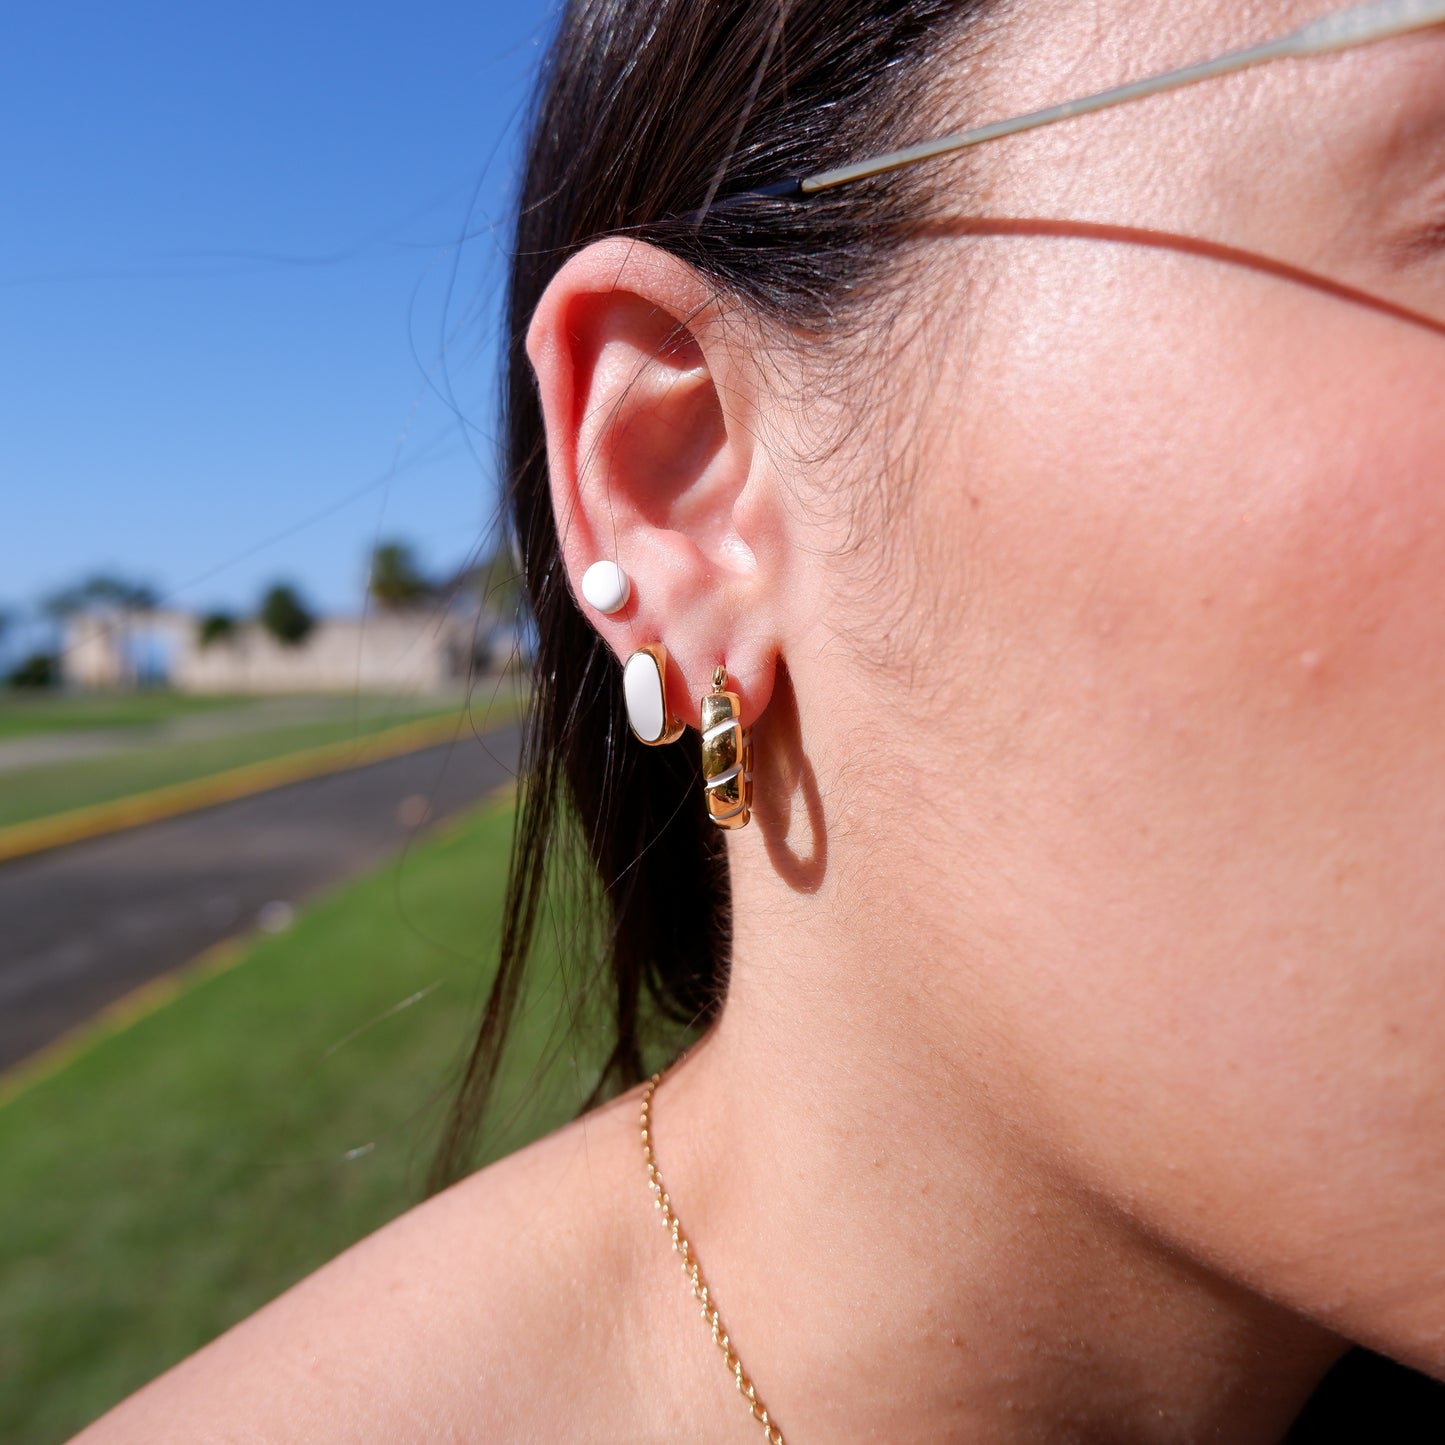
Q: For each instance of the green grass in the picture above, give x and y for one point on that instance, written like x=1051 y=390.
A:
x=25 y=714
x=38 y=792
x=176 y=1175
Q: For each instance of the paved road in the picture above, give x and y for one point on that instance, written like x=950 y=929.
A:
x=83 y=925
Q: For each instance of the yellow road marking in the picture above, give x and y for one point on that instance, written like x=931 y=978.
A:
x=116 y=1017
x=97 y=819
x=152 y=996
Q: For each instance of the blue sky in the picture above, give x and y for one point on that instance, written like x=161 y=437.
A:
x=226 y=339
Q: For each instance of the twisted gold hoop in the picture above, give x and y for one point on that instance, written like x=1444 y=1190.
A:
x=727 y=756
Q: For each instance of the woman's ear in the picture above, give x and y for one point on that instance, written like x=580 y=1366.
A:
x=649 y=388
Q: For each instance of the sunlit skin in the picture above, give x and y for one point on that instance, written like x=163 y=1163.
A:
x=1082 y=1074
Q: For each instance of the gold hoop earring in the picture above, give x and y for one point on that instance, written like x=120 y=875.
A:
x=727 y=756
x=644 y=689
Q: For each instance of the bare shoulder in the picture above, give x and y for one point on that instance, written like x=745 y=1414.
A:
x=456 y=1322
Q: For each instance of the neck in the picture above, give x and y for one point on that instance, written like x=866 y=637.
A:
x=893 y=1255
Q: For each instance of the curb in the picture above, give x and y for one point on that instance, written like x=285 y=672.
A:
x=153 y=995
x=118 y=1015
x=19 y=840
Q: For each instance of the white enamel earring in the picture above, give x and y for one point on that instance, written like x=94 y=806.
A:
x=606 y=587
x=644 y=685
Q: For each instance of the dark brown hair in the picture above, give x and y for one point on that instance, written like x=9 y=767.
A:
x=650 y=117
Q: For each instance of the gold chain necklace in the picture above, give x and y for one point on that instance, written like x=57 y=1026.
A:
x=693 y=1270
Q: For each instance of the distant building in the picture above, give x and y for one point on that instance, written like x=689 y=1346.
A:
x=109 y=647
x=430 y=649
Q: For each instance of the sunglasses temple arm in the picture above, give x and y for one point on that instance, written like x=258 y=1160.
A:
x=1358 y=26
x=1364 y=24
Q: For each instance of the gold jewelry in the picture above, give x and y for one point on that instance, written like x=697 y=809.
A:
x=693 y=1270
x=727 y=756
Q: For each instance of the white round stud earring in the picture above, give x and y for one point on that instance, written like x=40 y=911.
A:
x=606 y=587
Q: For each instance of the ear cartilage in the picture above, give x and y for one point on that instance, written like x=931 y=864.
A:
x=606 y=587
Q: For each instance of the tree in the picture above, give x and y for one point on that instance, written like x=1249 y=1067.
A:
x=127 y=596
x=393 y=578
x=215 y=627
x=101 y=590
x=499 y=583
x=285 y=616
x=61 y=606
x=117 y=601
x=40 y=669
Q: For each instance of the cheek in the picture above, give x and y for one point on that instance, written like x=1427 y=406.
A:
x=1222 y=527
x=1203 y=573
x=1191 y=526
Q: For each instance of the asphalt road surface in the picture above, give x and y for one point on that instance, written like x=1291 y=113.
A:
x=82 y=925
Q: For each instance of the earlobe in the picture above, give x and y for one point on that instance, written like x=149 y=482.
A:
x=647 y=393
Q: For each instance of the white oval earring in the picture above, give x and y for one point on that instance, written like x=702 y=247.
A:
x=644 y=686
x=606 y=587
